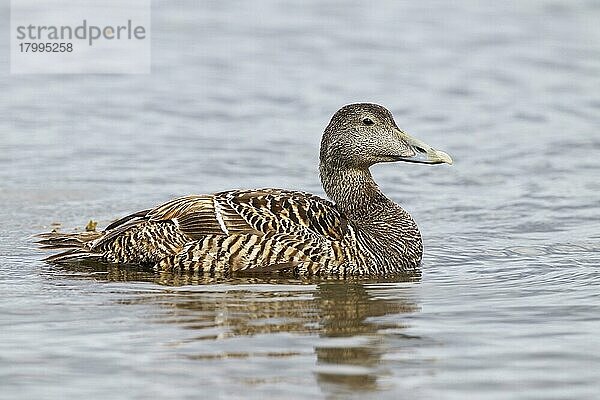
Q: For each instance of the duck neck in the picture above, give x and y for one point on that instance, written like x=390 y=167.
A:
x=384 y=231
x=354 y=192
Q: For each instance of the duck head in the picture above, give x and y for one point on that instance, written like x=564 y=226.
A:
x=362 y=134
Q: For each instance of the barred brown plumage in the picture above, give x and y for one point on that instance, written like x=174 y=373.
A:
x=361 y=232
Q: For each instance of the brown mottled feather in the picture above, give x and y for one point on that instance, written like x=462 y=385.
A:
x=265 y=229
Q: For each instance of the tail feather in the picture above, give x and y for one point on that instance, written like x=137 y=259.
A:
x=72 y=255
x=75 y=245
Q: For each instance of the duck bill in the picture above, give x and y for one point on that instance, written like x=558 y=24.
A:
x=424 y=153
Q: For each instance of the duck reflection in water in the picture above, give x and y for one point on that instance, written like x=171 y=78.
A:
x=348 y=325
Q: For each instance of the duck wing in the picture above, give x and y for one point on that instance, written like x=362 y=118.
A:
x=245 y=211
x=272 y=216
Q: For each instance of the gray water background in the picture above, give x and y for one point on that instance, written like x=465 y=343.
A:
x=508 y=304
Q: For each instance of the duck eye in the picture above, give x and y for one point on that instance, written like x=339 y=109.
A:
x=368 y=121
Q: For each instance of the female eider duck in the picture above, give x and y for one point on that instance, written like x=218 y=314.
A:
x=360 y=233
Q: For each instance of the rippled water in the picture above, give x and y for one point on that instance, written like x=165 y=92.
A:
x=507 y=305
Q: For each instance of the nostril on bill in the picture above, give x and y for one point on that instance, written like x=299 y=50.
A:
x=420 y=149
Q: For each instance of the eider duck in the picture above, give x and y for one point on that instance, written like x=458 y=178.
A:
x=361 y=232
